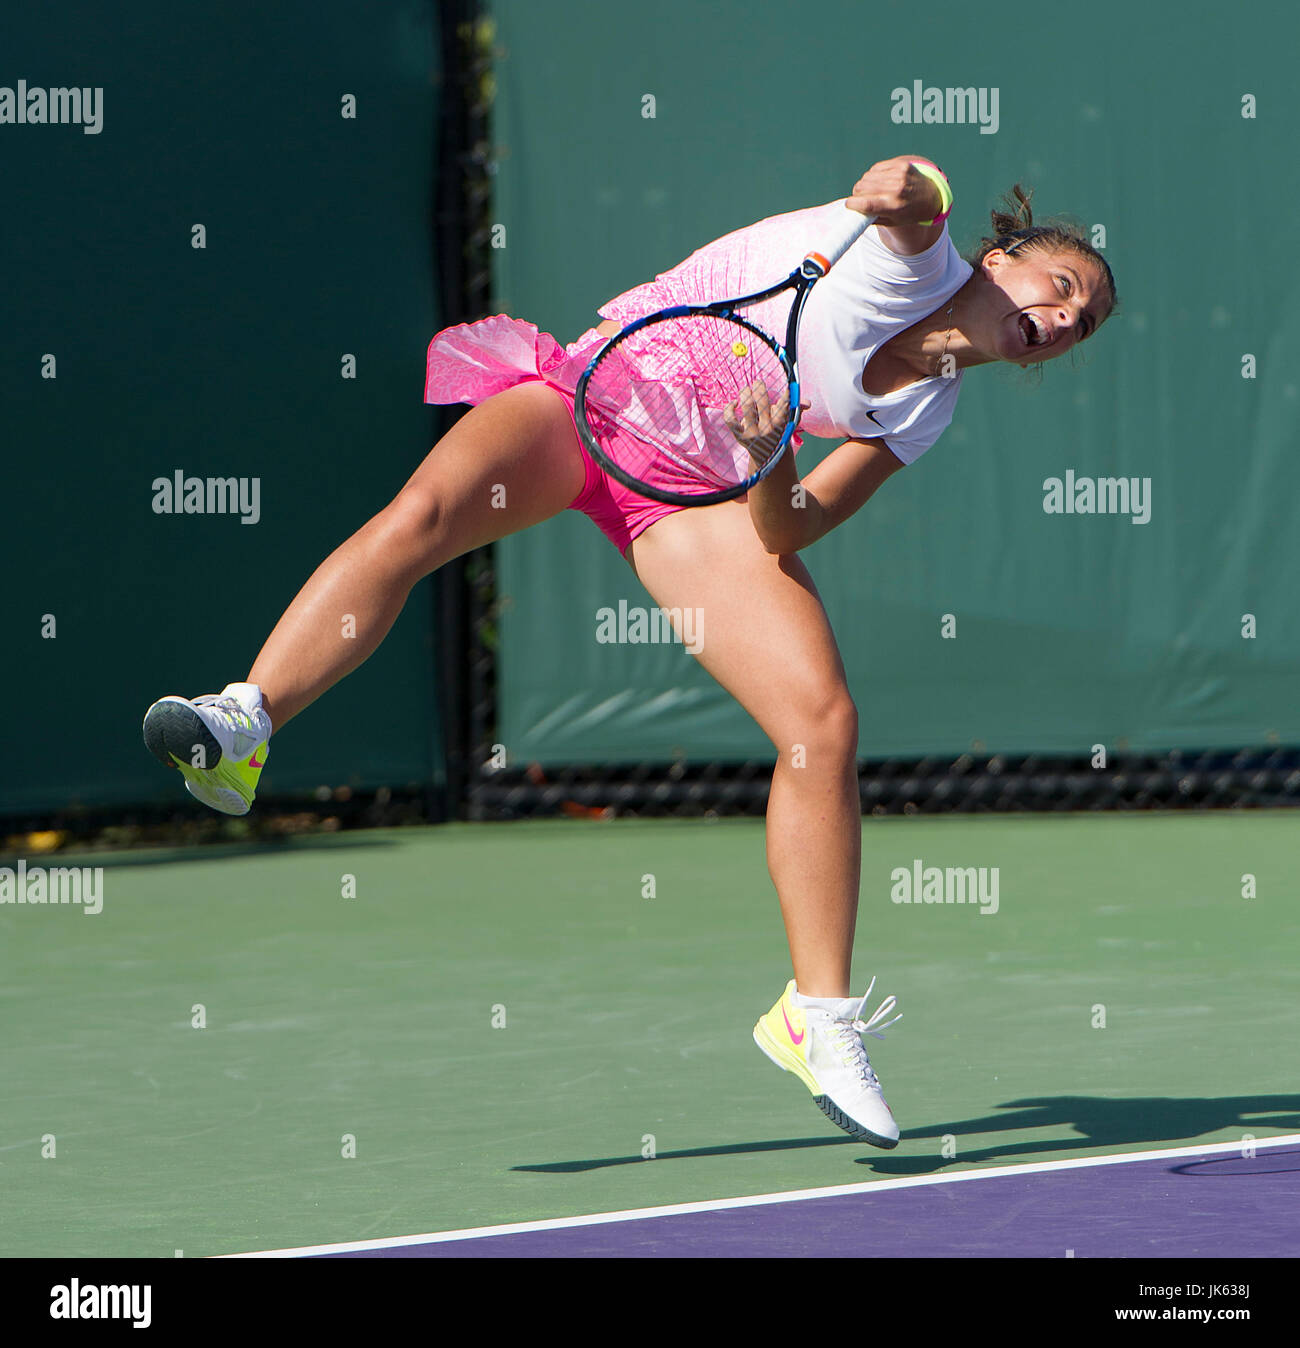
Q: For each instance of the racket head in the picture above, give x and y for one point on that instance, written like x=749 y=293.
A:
x=652 y=406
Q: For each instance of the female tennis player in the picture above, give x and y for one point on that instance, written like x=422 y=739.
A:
x=886 y=339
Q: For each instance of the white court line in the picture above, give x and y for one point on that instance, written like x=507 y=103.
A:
x=757 y=1200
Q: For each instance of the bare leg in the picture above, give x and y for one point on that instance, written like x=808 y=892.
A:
x=767 y=641
x=507 y=464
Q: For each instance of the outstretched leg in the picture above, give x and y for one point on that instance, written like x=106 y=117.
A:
x=509 y=463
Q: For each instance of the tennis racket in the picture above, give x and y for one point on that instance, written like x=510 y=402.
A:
x=673 y=404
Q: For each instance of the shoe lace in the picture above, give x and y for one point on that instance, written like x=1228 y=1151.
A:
x=846 y=1033
x=230 y=705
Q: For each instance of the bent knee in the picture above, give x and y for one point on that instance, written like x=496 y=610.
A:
x=416 y=510
x=825 y=728
x=413 y=530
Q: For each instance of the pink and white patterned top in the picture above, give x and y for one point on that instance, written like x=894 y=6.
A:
x=870 y=295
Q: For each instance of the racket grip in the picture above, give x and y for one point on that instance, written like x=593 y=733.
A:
x=855 y=225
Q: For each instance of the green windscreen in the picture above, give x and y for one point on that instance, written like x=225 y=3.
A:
x=186 y=287
x=969 y=615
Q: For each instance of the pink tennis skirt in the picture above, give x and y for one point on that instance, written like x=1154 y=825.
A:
x=474 y=361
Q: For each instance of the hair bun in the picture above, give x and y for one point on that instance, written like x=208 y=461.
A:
x=1017 y=214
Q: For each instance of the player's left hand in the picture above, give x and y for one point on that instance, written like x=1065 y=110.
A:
x=896 y=193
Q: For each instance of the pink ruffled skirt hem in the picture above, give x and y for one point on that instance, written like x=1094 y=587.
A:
x=475 y=361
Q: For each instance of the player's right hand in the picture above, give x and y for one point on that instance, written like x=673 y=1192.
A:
x=896 y=193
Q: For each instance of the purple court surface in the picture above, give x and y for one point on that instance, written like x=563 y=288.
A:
x=1222 y=1201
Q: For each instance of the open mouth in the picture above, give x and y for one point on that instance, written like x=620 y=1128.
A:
x=1033 y=329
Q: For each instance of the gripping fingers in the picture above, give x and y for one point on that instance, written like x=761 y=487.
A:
x=752 y=414
x=740 y=414
x=756 y=422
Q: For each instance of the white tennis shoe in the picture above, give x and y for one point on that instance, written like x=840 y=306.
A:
x=217 y=741
x=824 y=1049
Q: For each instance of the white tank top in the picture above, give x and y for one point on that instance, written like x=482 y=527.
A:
x=870 y=295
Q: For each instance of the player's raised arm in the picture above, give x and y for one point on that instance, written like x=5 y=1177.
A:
x=910 y=199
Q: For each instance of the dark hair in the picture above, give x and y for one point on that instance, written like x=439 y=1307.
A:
x=1015 y=233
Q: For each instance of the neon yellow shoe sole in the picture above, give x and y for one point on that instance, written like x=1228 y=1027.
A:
x=177 y=736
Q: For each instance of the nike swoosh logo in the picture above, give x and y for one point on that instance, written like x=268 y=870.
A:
x=876 y=419
x=794 y=1038
x=252 y=760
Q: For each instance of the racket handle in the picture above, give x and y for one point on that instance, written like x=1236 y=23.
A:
x=854 y=227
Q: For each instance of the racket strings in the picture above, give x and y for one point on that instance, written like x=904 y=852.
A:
x=660 y=401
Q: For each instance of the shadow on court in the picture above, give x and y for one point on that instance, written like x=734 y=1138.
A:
x=291 y=845
x=691 y=1153
x=1231 y=1167
x=1094 y=1121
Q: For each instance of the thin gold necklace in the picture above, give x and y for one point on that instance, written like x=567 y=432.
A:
x=947 y=319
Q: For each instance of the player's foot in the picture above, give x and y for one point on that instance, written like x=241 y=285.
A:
x=218 y=741
x=822 y=1046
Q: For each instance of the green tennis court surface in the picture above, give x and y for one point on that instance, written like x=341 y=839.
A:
x=506 y=1024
